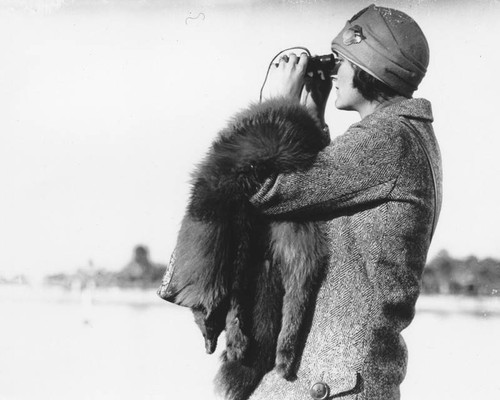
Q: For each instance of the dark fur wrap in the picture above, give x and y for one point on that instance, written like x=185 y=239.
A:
x=238 y=270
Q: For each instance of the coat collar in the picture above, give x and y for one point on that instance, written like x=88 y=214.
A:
x=410 y=108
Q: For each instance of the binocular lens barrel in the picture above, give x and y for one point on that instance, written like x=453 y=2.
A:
x=327 y=63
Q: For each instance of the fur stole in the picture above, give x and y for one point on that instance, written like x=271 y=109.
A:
x=238 y=270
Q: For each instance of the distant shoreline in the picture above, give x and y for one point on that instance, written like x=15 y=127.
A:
x=138 y=297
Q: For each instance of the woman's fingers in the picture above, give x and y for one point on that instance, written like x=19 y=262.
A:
x=286 y=79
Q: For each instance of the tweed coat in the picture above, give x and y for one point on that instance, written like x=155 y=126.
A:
x=374 y=189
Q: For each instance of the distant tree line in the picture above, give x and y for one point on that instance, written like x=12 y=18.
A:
x=442 y=275
x=139 y=272
x=470 y=276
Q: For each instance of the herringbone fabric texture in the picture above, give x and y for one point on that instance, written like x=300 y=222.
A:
x=374 y=189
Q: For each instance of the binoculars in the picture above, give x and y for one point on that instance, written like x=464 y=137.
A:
x=328 y=64
x=325 y=66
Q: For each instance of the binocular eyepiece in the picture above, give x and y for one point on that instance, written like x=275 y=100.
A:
x=328 y=64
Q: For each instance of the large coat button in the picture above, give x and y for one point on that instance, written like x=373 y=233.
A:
x=320 y=391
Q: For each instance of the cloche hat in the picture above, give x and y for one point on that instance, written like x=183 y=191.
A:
x=388 y=44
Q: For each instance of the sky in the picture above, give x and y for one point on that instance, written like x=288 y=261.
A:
x=107 y=105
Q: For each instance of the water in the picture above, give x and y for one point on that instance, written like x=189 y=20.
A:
x=130 y=345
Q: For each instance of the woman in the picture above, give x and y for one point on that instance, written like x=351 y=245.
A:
x=377 y=188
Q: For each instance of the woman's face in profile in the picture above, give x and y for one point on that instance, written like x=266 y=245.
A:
x=348 y=97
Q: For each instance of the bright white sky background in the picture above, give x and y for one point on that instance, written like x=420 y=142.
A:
x=106 y=106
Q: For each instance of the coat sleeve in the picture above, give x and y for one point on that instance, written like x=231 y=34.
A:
x=356 y=169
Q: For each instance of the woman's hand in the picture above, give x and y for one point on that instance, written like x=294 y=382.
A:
x=315 y=94
x=286 y=79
